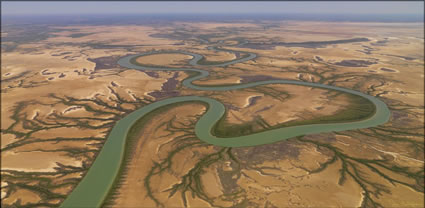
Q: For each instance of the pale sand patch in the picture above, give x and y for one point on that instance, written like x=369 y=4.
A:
x=302 y=190
x=396 y=176
x=3 y=189
x=356 y=148
x=24 y=195
x=135 y=81
x=221 y=81
x=128 y=106
x=306 y=153
x=39 y=62
x=211 y=182
x=180 y=163
x=69 y=132
x=6 y=139
x=114 y=35
x=247 y=101
x=55 y=201
x=3 y=194
x=164 y=59
x=3 y=184
x=399 y=157
x=303 y=100
x=36 y=161
x=240 y=98
x=259 y=180
x=219 y=56
x=54 y=145
x=63 y=189
x=195 y=201
x=402 y=196
x=67 y=177
x=346 y=195
x=417 y=99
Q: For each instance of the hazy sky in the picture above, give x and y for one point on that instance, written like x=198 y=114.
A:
x=98 y=7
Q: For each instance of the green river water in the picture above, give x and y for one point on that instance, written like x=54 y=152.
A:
x=95 y=186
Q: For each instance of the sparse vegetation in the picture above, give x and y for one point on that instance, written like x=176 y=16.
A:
x=380 y=166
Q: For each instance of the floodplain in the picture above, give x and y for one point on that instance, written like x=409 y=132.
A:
x=63 y=91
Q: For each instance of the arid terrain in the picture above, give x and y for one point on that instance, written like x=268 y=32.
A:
x=62 y=91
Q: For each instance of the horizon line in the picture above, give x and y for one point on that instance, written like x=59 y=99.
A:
x=218 y=13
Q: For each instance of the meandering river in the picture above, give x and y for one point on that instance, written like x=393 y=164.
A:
x=94 y=187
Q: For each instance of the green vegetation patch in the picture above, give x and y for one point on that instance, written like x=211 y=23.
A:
x=359 y=109
x=204 y=61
